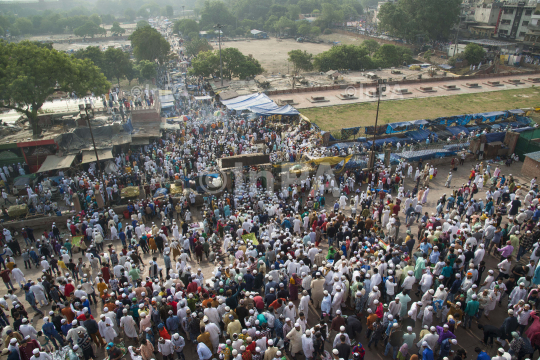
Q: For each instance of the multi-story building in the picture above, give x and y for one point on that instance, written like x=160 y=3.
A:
x=531 y=43
x=514 y=18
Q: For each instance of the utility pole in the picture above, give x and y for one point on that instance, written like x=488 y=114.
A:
x=86 y=108
x=381 y=87
x=183 y=11
x=457 y=32
x=219 y=26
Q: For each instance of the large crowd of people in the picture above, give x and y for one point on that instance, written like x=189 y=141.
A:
x=263 y=273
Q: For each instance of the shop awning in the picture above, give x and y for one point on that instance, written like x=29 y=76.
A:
x=54 y=162
x=140 y=141
x=206 y=97
x=90 y=155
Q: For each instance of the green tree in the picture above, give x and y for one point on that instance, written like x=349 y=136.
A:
x=89 y=29
x=116 y=29
x=30 y=74
x=410 y=19
x=23 y=25
x=315 y=31
x=205 y=64
x=301 y=60
x=130 y=14
x=216 y=12
x=371 y=46
x=356 y=4
x=130 y=72
x=270 y=24
x=330 y=14
x=116 y=64
x=108 y=19
x=142 y=23
x=92 y=53
x=343 y=57
x=186 y=26
x=169 y=11
x=391 y=55
x=96 y=19
x=147 y=70
x=235 y=64
x=286 y=25
x=303 y=28
x=196 y=46
x=149 y=44
x=474 y=53
x=293 y=12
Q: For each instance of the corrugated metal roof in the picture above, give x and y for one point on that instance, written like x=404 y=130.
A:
x=534 y=155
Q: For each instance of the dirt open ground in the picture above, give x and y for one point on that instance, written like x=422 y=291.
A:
x=272 y=53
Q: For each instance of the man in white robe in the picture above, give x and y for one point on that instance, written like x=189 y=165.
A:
x=307 y=344
x=214 y=332
x=128 y=325
x=106 y=329
x=304 y=303
x=336 y=302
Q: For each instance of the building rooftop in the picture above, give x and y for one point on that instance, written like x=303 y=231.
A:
x=533 y=155
x=489 y=42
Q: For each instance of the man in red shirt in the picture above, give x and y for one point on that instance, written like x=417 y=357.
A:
x=259 y=302
x=69 y=289
x=4 y=274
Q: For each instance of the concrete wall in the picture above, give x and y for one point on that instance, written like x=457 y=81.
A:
x=46 y=221
x=530 y=167
x=510 y=140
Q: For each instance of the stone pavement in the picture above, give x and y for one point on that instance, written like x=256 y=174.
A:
x=301 y=99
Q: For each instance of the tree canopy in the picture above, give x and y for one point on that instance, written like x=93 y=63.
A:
x=30 y=74
x=301 y=60
x=411 y=19
x=89 y=29
x=116 y=29
x=146 y=70
x=343 y=57
x=149 y=44
x=196 y=46
x=474 y=53
x=114 y=63
x=353 y=57
x=186 y=26
x=235 y=64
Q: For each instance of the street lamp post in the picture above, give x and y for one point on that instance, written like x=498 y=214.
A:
x=183 y=11
x=86 y=108
x=381 y=87
x=219 y=26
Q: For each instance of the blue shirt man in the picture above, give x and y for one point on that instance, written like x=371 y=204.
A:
x=203 y=351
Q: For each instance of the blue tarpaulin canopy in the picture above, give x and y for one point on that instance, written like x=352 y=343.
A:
x=498 y=136
x=245 y=102
x=167 y=105
x=516 y=111
x=490 y=116
x=284 y=110
x=523 y=129
x=380 y=142
x=340 y=146
x=398 y=127
x=425 y=154
x=418 y=135
x=456 y=130
x=419 y=123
